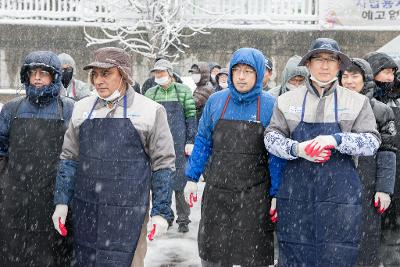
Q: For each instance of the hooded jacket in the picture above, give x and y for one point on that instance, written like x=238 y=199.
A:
x=291 y=70
x=38 y=103
x=386 y=157
x=379 y=61
x=76 y=89
x=203 y=88
x=241 y=107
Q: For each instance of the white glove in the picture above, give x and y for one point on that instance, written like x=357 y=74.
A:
x=381 y=201
x=306 y=150
x=272 y=211
x=159 y=227
x=325 y=142
x=188 y=149
x=59 y=217
x=190 y=193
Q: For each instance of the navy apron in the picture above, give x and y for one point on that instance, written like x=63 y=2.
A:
x=319 y=205
x=177 y=125
x=390 y=239
x=235 y=227
x=27 y=233
x=111 y=192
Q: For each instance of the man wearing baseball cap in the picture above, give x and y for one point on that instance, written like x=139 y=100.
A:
x=318 y=128
x=178 y=101
x=118 y=145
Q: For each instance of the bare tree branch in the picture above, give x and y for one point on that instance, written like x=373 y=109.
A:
x=148 y=27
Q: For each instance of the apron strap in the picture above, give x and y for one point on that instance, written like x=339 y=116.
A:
x=303 y=108
x=60 y=108
x=335 y=106
x=73 y=89
x=15 y=112
x=225 y=106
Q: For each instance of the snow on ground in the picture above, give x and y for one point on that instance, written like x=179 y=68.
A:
x=176 y=249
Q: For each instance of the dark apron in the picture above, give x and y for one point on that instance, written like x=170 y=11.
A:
x=235 y=226
x=319 y=205
x=390 y=239
x=111 y=192
x=26 y=231
x=177 y=125
x=371 y=221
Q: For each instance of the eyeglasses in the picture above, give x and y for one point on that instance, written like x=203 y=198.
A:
x=245 y=72
x=322 y=60
x=40 y=73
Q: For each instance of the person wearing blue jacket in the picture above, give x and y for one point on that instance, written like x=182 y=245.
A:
x=32 y=129
x=234 y=226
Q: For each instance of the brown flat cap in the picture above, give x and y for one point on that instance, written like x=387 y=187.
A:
x=108 y=57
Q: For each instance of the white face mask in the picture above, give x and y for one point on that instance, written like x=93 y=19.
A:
x=213 y=77
x=196 y=77
x=322 y=84
x=292 y=87
x=115 y=95
x=162 y=81
x=224 y=85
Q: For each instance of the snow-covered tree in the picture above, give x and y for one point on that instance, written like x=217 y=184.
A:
x=147 y=27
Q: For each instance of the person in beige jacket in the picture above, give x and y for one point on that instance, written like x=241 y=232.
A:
x=117 y=147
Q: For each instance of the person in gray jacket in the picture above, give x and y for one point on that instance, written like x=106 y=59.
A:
x=117 y=147
x=74 y=88
x=319 y=128
x=293 y=76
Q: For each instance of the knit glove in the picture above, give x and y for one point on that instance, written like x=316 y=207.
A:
x=59 y=217
x=306 y=150
x=190 y=193
x=272 y=211
x=159 y=227
x=381 y=201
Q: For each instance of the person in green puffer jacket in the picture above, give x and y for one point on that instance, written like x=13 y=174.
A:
x=181 y=112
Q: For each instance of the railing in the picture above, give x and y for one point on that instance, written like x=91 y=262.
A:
x=201 y=12
x=256 y=11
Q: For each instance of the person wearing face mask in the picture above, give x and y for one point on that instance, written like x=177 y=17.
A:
x=32 y=128
x=74 y=88
x=384 y=70
x=201 y=76
x=181 y=112
x=150 y=82
x=222 y=80
x=293 y=76
x=118 y=147
x=377 y=172
x=235 y=228
x=215 y=68
x=318 y=129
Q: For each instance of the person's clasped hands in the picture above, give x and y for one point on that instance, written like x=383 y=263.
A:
x=317 y=150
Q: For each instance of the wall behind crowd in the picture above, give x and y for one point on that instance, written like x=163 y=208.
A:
x=16 y=41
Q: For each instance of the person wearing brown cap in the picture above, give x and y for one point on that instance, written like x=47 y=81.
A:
x=117 y=147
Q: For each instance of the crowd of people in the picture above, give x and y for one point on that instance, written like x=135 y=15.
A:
x=314 y=161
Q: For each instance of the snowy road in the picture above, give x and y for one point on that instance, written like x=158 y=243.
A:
x=176 y=249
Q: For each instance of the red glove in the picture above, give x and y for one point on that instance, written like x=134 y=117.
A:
x=272 y=211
